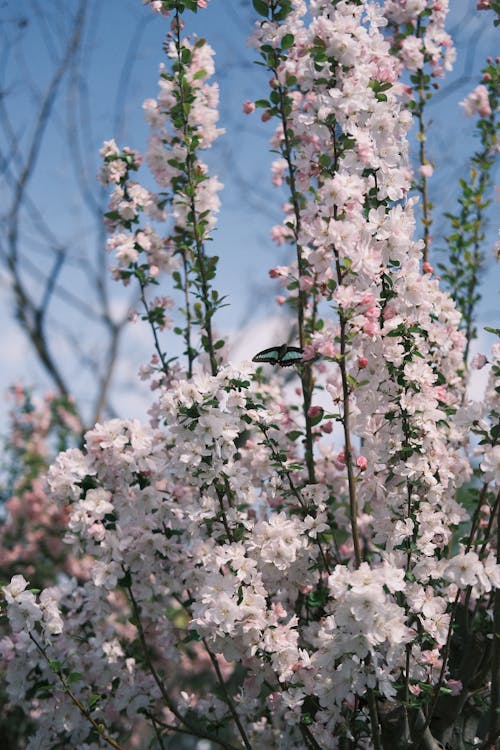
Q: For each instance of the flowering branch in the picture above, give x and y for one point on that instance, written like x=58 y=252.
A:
x=190 y=727
x=426 y=50
x=203 y=268
x=183 y=122
x=466 y=257
x=98 y=726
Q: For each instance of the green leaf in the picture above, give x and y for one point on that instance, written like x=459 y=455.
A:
x=316 y=420
x=193 y=636
x=93 y=700
x=261 y=7
x=287 y=41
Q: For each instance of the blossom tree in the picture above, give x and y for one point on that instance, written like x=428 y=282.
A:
x=251 y=581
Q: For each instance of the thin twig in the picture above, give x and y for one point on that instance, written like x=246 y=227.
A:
x=98 y=726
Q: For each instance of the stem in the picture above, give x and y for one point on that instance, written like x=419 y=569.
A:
x=374 y=720
x=294 y=490
x=475 y=263
x=495 y=667
x=440 y=681
x=220 y=497
x=309 y=738
x=156 y=730
x=421 y=137
x=446 y=653
x=98 y=726
x=475 y=517
x=353 y=503
x=198 y=242
x=494 y=513
x=161 y=355
x=306 y=371
x=187 y=331
x=180 y=730
x=193 y=730
x=227 y=697
x=426 y=206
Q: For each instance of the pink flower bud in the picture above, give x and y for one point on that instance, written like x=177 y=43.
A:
x=369 y=328
x=426 y=170
x=426 y=267
x=327 y=427
x=248 y=107
x=281 y=300
x=314 y=411
x=361 y=463
x=362 y=363
x=265 y=116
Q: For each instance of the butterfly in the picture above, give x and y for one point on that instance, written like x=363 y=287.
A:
x=283 y=355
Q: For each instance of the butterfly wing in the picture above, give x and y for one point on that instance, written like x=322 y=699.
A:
x=283 y=355
x=271 y=355
x=292 y=356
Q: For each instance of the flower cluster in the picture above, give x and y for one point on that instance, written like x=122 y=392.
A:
x=317 y=590
x=343 y=127
x=183 y=121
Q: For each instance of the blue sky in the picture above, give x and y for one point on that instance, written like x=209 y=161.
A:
x=120 y=59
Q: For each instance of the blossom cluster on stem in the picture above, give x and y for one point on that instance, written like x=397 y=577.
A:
x=315 y=589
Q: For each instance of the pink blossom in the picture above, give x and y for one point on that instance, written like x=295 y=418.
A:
x=455 y=686
x=426 y=170
x=327 y=349
x=280 y=234
x=314 y=411
x=275 y=273
x=479 y=361
x=477 y=102
x=361 y=463
x=248 y=107
x=309 y=353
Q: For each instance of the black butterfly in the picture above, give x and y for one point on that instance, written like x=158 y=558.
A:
x=283 y=355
